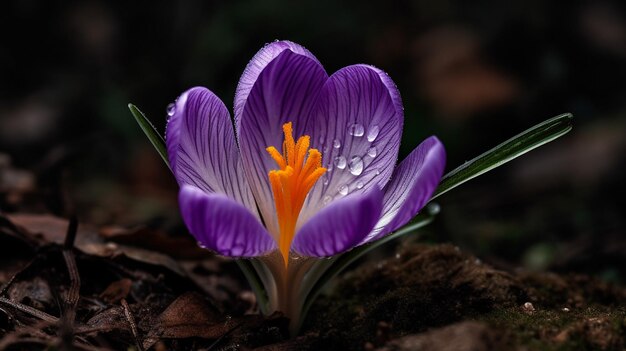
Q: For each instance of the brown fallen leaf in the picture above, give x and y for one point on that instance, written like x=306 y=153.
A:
x=188 y=316
x=117 y=291
x=46 y=229
x=112 y=319
x=177 y=247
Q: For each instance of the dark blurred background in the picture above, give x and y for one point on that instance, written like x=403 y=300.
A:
x=473 y=73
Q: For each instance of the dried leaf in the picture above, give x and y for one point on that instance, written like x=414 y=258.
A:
x=117 y=291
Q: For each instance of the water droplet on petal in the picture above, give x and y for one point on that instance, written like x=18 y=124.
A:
x=372 y=152
x=171 y=108
x=336 y=143
x=356 y=165
x=356 y=129
x=325 y=179
x=433 y=208
x=201 y=245
x=377 y=171
x=343 y=190
x=359 y=185
x=322 y=139
x=372 y=133
x=340 y=162
x=327 y=199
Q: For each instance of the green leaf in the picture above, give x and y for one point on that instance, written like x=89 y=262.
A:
x=153 y=135
x=518 y=145
x=256 y=284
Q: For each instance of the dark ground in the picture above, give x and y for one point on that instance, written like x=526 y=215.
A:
x=425 y=297
x=548 y=229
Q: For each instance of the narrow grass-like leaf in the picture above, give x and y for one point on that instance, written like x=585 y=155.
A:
x=255 y=283
x=332 y=267
x=518 y=145
x=153 y=135
x=246 y=266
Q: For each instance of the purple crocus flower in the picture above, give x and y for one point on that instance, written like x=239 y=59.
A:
x=309 y=169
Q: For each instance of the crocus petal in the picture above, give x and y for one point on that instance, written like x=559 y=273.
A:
x=254 y=68
x=411 y=186
x=201 y=147
x=339 y=226
x=285 y=91
x=358 y=126
x=223 y=225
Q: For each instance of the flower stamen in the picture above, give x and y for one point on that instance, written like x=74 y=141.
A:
x=292 y=182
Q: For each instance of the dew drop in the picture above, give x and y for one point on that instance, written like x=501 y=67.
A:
x=343 y=190
x=327 y=199
x=372 y=152
x=359 y=185
x=322 y=139
x=377 y=171
x=356 y=130
x=340 y=162
x=171 y=108
x=336 y=143
x=325 y=179
x=201 y=245
x=356 y=165
x=372 y=133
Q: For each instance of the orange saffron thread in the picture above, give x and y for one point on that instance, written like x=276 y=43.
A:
x=292 y=182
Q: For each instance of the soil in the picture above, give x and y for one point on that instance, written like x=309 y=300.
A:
x=110 y=289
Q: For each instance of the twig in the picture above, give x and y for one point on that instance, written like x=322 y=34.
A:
x=6 y=285
x=230 y=331
x=133 y=326
x=70 y=235
x=29 y=310
x=71 y=299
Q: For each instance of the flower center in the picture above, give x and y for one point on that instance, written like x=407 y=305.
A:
x=292 y=182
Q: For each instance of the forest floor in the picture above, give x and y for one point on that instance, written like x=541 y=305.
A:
x=113 y=288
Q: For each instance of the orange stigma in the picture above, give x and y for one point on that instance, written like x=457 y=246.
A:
x=292 y=182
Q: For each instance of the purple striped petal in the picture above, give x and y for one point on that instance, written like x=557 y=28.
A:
x=201 y=147
x=254 y=68
x=339 y=226
x=223 y=225
x=285 y=91
x=411 y=186
x=358 y=127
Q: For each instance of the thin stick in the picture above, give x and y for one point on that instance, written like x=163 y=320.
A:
x=8 y=284
x=133 y=326
x=230 y=331
x=73 y=294
x=71 y=300
x=29 y=310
